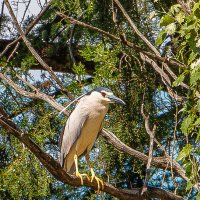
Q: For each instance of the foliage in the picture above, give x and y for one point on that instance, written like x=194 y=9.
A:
x=184 y=30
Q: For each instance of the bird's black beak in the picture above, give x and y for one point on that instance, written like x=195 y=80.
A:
x=115 y=99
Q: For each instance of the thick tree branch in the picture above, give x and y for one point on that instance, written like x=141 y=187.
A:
x=33 y=95
x=161 y=162
x=55 y=169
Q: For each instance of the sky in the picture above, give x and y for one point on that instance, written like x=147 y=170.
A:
x=20 y=5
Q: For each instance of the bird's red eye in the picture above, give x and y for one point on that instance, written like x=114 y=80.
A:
x=103 y=94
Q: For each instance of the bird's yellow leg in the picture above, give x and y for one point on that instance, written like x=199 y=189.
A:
x=100 y=183
x=78 y=174
x=98 y=180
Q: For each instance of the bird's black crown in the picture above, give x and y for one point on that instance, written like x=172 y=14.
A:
x=99 y=89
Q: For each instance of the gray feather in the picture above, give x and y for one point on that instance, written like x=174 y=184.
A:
x=72 y=131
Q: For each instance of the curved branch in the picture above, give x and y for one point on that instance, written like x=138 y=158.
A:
x=161 y=162
x=57 y=171
x=33 y=95
x=125 y=42
x=133 y=26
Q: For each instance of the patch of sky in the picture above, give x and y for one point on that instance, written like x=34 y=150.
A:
x=163 y=102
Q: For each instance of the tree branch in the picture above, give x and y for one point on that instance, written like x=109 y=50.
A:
x=151 y=133
x=161 y=162
x=165 y=78
x=33 y=95
x=135 y=29
x=125 y=42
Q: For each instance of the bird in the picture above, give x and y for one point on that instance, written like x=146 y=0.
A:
x=82 y=128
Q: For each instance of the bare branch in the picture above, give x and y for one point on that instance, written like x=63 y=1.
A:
x=29 y=28
x=161 y=162
x=33 y=95
x=133 y=26
x=151 y=133
x=71 y=38
x=165 y=78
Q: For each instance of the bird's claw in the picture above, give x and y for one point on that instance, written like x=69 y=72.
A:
x=98 y=180
x=81 y=176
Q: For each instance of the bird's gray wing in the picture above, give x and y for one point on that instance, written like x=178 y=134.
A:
x=72 y=131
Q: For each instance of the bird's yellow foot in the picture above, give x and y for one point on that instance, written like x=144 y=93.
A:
x=81 y=176
x=98 y=180
x=78 y=174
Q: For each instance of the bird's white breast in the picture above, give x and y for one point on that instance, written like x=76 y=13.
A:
x=96 y=114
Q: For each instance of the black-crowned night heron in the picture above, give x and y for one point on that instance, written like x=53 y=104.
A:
x=82 y=128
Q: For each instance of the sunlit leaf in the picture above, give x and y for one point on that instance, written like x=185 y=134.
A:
x=171 y=28
x=166 y=20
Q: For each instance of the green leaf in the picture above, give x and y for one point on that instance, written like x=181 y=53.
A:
x=195 y=76
x=180 y=17
x=179 y=80
x=186 y=124
x=196 y=10
x=171 y=28
x=198 y=105
x=198 y=197
x=192 y=57
x=189 y=185
x=166 y=20
x=161 y=37
x=187 y=149
x=188 y=167
x=175 y=8
x=197 y=122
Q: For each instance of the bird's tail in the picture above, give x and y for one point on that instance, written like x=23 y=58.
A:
x=61 y=159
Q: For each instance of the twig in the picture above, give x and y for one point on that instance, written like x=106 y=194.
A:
x=71 y=38
x=165 y=78
x=25 y=11
x=13 y=52
x=133 y=26
x=151 y=133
